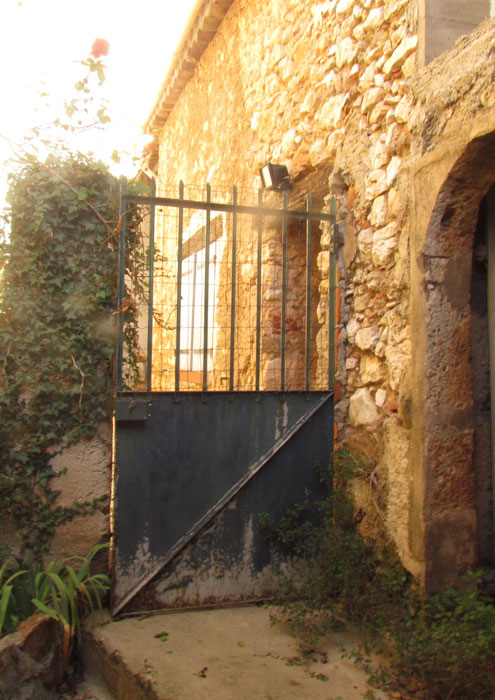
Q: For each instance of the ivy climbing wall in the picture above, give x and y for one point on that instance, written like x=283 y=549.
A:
x=57 y=333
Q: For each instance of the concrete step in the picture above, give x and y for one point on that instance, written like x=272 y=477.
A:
x=107 y=676
x=235 y=653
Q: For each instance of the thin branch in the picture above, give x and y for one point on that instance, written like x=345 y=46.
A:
x=81 y=386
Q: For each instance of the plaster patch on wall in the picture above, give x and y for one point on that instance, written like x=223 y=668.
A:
x=83 y=474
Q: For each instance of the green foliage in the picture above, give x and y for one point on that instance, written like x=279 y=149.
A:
x=65 y=591
x=445 y=644
x=57 y=332
x=8 y=606
x=451 y=647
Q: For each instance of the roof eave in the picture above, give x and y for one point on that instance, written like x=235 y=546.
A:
x=204 y=21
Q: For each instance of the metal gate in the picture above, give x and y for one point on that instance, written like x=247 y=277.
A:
x=230 y=409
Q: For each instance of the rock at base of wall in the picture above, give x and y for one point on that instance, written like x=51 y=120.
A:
x=32 y=660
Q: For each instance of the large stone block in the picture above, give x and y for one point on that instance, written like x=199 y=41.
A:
x=384 y=244
x=405 y=48
x=32 y=660
x=372 y=369
x=362 y=408
x=376 y=183
x=367 y=338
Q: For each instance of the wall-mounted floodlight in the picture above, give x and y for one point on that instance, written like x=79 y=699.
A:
x=275 y=177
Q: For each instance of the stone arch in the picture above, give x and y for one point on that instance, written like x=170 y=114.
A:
x=443 y=509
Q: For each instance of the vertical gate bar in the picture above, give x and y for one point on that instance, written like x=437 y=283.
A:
x=151 y=262
x=331 y=300
x=192 y=328
x=207 y=281
x=284 y=290
x=331 y=462
x=309 y=207
x=121 y=283
x=180 y=234
x=490 y=243
x=258 y=289
x=233 y=288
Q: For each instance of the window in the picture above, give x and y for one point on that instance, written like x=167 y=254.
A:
x=192 y=335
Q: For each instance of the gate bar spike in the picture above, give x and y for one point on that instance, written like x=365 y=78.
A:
x=332 y=278
x=151 y=262
x=206 y=291
x=284 y=289
x=233 y=289
x=309 y=208
x=180 y=234
x=121 y=284
x=258 y=289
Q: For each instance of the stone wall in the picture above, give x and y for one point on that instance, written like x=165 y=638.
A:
x=320 y=86
x=332 y=87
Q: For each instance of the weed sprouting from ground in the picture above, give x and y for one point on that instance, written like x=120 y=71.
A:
x=444 y=646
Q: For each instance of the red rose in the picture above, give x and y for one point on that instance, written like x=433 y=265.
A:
x=100 y=48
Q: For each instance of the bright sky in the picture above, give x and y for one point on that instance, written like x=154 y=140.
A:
x=40 y=40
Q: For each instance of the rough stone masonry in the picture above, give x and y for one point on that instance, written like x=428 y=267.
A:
x=334 y=88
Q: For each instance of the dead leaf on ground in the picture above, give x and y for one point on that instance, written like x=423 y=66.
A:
x=202 y=673
x=162 y=636
x=294 y=661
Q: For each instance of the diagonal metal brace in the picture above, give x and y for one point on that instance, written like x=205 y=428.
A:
x=221 y=503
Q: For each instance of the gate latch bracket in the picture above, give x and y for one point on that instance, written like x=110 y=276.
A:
x=131 y=410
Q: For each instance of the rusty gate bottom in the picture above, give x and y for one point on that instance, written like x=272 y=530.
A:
x=194 y=473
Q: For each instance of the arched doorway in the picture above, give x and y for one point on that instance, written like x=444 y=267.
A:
x=445 y=487
x=483 y=364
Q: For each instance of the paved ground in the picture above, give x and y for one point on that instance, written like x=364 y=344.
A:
x=228 y=654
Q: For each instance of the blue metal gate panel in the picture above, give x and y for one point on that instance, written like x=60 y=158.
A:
x=194 y=471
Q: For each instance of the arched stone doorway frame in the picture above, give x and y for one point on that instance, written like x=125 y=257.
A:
x=448 y=184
